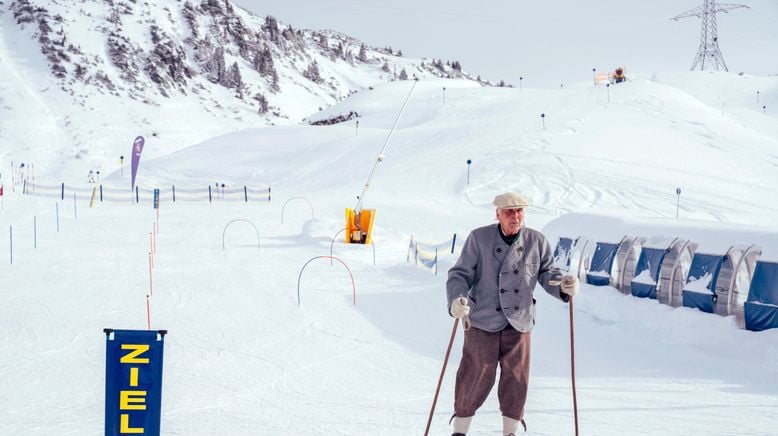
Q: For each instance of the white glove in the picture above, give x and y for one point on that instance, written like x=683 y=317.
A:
x=459 y=308
x=570 y=285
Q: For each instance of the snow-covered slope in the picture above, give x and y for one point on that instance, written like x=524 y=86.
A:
x=625 y=156
x=243 y=358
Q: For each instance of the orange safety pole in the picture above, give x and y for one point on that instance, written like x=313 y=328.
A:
x=148 y=313
x=151 y=288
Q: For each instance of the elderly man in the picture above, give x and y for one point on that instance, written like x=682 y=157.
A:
x=490 y=288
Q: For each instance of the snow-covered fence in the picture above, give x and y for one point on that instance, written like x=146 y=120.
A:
x=614 y=263
x=173 y=193
x=427 y=254
x=715 y=283
x=673 y=271
x=700 y=289
x=741 y=281
x=646 y=277
x=761 y=307
x=679 y=275
x=562 y=252
x=599 y=273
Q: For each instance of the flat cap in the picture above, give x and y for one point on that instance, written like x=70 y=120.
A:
x=510 y=200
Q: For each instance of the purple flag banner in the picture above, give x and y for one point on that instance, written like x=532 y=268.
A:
x=137 y=149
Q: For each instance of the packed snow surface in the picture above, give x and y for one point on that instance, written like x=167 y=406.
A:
x=245 y=356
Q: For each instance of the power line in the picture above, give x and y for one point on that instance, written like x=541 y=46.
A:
x=709 y=55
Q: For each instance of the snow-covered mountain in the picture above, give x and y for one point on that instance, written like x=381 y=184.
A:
x=163 y=63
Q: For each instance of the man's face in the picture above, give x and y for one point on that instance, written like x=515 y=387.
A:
x=510 y=220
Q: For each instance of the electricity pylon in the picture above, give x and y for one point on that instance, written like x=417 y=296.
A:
x=709 y=54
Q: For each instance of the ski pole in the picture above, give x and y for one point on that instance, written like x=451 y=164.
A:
x=572 y=365
x=442 y=372
x=556 y=281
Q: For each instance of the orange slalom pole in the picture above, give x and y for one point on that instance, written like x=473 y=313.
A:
x=148 y=313
x=151 y=286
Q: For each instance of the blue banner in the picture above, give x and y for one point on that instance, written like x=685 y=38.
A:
x=649 y=263
x=602 y=260
x=133 y=381
x=562 y=253
x=761 y=307
x=700 y=289
x=156 y=199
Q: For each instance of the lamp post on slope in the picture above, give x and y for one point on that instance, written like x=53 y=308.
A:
x=678 y=201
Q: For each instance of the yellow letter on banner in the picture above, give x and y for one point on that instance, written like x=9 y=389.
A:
x=128 y=397
x=133 y=356
x=125 y=423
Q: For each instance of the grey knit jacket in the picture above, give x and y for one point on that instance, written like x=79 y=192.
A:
x=499 y=279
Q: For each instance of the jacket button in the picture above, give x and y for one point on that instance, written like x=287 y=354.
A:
x=499 y=250
x=499 y=309
x=517 y=307
x=516 y=291
x=502 y=291
x=515 y=271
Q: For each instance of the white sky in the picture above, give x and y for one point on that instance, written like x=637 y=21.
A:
x=545 y=42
